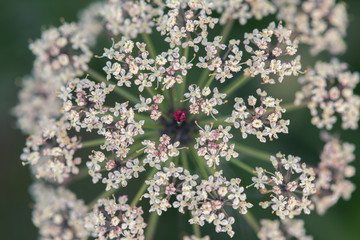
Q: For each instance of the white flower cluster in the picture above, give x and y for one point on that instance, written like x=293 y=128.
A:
x=272 y=54
x=155 y=155
x=222 y=66
x=34 y=94
x=332 y=173
x=214 y=143
x=186 y=27
x=243 y=10
x=318 y=23
x=129 y=18
x=125 y=134
x=111 y=219
x=58 y=214
x=291 y=192
x=167 y=68
x=206 y=200
x=202 y=102
x=119 y=171
x=282 y=230
x=91 y=23
x=51 y=152
x=329 y=89
x=154 y=108
x=262 y=121
x=62 y=53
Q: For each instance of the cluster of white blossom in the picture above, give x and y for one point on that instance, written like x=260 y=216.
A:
x=262 y=121
x=318 y=23
x=205 y=200
x=62 y=52
x=329 y=89
x=282 y=230
x=222 y=66
x=214 y=143
x=333 y=172
x=187 y=23
x=272 y=57
x=70 y=109
x=34 y=94
x=202 y=102
x=166 y=68
x=242 y=10
x=50 y=153
x=57 y=213
x=290 y=186
x=157 y=154
x=129 y=18
x=111 y=219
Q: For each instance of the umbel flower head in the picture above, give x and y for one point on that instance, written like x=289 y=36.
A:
x=289 y=193
x=156 y=117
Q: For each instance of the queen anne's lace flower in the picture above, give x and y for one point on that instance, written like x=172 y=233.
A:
x=51 y=153
x=271 y=57
x=319 y=23
x=243 y=10
x=31 y=109
x=62 y=53
x=289 y=194
x=332 y=173
x=282 y=230
x=329 y=89
x=213 y=144
x=206 y=200
x=222 y=65
x=262 y=121
x=153 y=104
x=111 y=219
x=201 y=101
x=58 y=213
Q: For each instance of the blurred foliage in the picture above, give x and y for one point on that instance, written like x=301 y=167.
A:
x=21 y=20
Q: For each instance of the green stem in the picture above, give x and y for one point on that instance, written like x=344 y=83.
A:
x=104 y=194
x=93 y=143
x=253 y=152
x=199 y=163
x=150 y=91
x=119 y=90
x=83 y=173
x=184 y=160
x=174 y=97
x=183 y=84
x=220 y=120
x=204 y=76
x=291 y=106
x=142 y=189
x=235 y=84
x=150 y=45
x=139 y=116
x=151 y=228
x=211 y=79
x=242 y=165
x=153 y=126
x=196 y=230
x=227 y=29
x=252 y=221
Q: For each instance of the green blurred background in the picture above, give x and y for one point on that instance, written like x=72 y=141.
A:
x=21 y=20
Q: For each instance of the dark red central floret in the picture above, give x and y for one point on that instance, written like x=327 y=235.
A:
x=179 y=127
x=180 y=116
